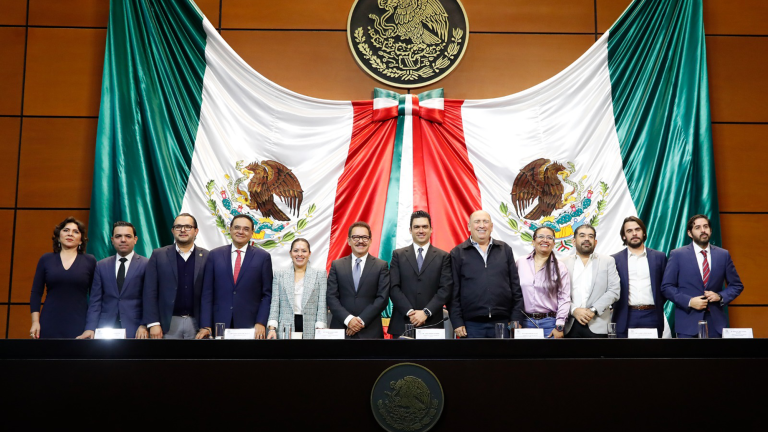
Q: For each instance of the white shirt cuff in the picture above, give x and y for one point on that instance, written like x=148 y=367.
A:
x=152 y=324
x=346 y=321
x=320 y=325
x=272 y=323
x=409 y=312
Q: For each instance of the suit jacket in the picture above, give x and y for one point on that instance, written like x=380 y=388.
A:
x=105 y=301
x=367 y=303
x=161 y=282
x=313 y=308
x=604 y=292
x=413 y=289
x=682 y=281
x=657 y=262
x=247 y=300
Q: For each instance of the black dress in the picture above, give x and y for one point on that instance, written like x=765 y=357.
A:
x=67 y=300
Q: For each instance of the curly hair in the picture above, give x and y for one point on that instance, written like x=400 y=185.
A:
x=57 y=233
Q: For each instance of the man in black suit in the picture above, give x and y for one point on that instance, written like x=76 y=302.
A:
x=173 y=283
x=420 y=279
x=358 y=287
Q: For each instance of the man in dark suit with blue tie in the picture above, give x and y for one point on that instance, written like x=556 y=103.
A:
x=237 y=285
x=117 y=289
x=694 y=280
x=173 y=284
x=358 y=288
x=641 y=270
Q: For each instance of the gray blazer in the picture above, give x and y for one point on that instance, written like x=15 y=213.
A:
x=313 y=305
x=605 y=290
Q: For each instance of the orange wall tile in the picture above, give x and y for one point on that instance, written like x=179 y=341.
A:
x=608 y=11
x=741 y=236
x=64 y=68
x=6 y=233
x=20 y=322
x=739 y=150
x=3 y=320
x=69 y=13
x=13 y=12
x=11 y=69
x=56 y=167
x=742 y=17
x=540 y=16
x=755 y=318
x=737 y=69
x=9 y=156
x=210 y=9
x=296 y=14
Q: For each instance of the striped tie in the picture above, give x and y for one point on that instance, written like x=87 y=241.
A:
x=705 y=269
x=239 y=263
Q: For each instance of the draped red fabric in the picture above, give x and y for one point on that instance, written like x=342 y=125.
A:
x=420 y=201
x=361 y=193
x=452 y=189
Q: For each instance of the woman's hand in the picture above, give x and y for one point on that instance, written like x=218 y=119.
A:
x=556 y=334
x=34 y=331
x=272 y=334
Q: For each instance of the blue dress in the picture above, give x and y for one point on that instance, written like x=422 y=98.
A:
x=66 y=302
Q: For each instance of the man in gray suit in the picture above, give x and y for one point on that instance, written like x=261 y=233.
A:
x=358 y=287
x=594 y=287
x=173 y=284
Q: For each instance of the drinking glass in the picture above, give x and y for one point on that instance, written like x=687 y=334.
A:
x=219 y=331
x=287 y=329
x=409 y=332
x=703 y=330
x=611 y=330
x=500 y=330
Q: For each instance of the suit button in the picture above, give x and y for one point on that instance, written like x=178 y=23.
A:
x=231 y=307
x=234 y=292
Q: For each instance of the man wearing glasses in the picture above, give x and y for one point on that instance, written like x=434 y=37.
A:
x=237 y=284
x=173 y=284
x=358 y=288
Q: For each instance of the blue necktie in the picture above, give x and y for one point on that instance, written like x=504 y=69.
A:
x=420 y=259
x=356 y=273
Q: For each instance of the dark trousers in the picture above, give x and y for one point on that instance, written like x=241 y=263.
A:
x=477 y=329
x=713 y=334
x=580 y=331
x=640 y=319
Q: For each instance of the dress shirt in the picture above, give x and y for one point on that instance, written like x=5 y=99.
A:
x=483 y=253
x=424 y=250
x=234 y=255
x=362 y=267
x=700 y=259
x=298 y=296
x=640 y=291
x=536 y=296
x=581 y=286
x=185 y=255
x=130 y=257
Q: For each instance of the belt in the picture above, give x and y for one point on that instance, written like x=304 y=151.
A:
x=542 y=315
x=643 y=307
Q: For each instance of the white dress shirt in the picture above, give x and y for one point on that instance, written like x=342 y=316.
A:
x=424 y=250
x=640 y=291
x=234 y=255
x=362 y=266
x=581 y=286
x=700 y=258
x=128 y=263
x=185 y=255
x=298 y=296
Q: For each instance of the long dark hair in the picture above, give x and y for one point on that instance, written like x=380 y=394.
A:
x=552 y=286
x=57 y=233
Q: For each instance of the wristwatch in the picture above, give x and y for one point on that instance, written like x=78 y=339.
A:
x=428 y=313
x=594 y=310
x=560 y=328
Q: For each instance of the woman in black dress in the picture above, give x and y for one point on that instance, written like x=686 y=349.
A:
x=67 y=274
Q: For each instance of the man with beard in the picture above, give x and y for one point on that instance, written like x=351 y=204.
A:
x=694 y=281
x=641 y=270
x=594 y=286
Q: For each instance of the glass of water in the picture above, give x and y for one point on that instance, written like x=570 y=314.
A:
x=500 y=327
x=409 y=332
x=219 y=331
x=703 y=330
x=612 y=330
x=287 y=329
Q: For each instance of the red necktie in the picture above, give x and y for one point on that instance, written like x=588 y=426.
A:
x=705 y=269
x=238 y=263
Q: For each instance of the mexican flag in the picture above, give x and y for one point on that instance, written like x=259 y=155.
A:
x=187 y=126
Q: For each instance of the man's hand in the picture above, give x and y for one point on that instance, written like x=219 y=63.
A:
x=202 y=333
x=156 y=332
x=259 y=331
x=354 y=326
x=556 y=334
x=418 y=318
x=713 y=296
x=699 y=303
x=88 y=334
x=460 y=331
x=142 y=333
x=583 y=315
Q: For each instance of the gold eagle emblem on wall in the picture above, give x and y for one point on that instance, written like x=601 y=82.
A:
x=272 y=179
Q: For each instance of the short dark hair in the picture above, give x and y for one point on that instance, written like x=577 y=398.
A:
x=421 y=214
x=636 y=220
x=689 y=226
x=586 y=226
x=57 y=232
x=359 y=224
x=242 y=216
x=301 y=240
x=124 y=224
x=186 y=215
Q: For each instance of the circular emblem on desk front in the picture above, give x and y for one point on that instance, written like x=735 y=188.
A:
x=407 y=397
x=408 y=43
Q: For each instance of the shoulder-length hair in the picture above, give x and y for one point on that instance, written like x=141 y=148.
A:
x=57 y=233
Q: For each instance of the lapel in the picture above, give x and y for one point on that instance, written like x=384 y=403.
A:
x=198 y=261
x=569 y=263
x=309 y=286
x=288 y=281
x=132 y=270
x=112 y=275
x=652 y=269
x=622 y=266
x=250 y=251
x=595 y=261
x=345 y=272
x=172 y=263
x=431 y=254
x=693 y=261
x=367 y=270
x=410 y=256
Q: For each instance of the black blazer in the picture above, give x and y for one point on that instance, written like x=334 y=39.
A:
x=161 y=280
x=411 y=289
x=367 y=303
x=657 y=263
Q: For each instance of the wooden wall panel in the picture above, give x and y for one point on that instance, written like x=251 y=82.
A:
x=64 y=68
x=741 y=235
x=608 y=11
x=541 y=16
x=3 y=320
x=6 y=233
x=13 y=12
x=737 y=69
x=210 y=9
x=70 y=13
x=20 y=322
x=497 y=65
x=317 y=64
x=11 y=69
x=34 y=230
x=56 y=166
x=736 y=17
x=755 y=318
x=295 y=14
x=739 y=151
x=9 y=156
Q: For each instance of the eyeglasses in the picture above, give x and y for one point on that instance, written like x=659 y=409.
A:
x=183 y=227
x=364 y=239
x=543 y=237
x=241 y=228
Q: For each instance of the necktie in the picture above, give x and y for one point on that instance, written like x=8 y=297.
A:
x=238 y=263
x=121 y=275
x=705 y=269
x=420 y=259
x=356 y=273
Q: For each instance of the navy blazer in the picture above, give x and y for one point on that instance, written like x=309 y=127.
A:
x=657 y=263
x=247 y=300
x=682 y=281
x=160 y=285
x=105 y=300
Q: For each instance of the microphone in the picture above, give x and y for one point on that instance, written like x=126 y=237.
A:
x=426 y=326
x=529 y=319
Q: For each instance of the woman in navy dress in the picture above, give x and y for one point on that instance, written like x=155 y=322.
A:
x=67 y=274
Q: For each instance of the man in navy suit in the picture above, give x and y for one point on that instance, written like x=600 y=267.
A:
x=118 y=284
x=237 y=285
x=694 y=281
x=641 y=270
x=173 y=284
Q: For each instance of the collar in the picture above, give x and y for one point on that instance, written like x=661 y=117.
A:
x=474 y=243
x=242 y=249
x=190 y=251
x=129 y=256
x=533 y=254
x=425 y=247
x=698 y=250
x=640 y=255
